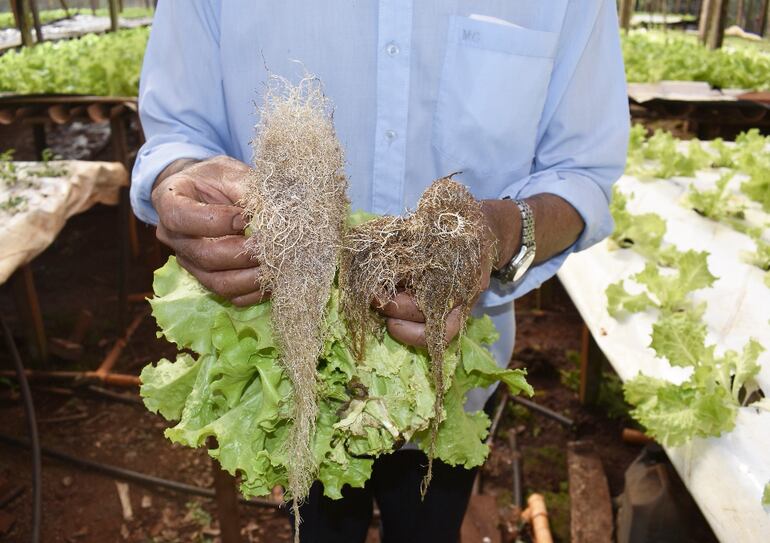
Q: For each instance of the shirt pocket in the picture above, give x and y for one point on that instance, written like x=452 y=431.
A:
x=491 y=93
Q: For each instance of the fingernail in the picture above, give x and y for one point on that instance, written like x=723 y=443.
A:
x=239 y=223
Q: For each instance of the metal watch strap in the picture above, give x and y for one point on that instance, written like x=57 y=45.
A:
x=523 y=259
x=527 y=223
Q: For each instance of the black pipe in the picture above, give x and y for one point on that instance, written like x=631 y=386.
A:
x=131 y=475
x=558 y=417
x=29 y=412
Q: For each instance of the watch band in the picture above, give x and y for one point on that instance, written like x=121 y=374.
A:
x=527 y=224
x=514 y=270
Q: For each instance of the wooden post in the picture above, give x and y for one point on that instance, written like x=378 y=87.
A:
x=114 y=10
x=28 y=306
x=740 y=14
x=119 y=143
x=226 y=498
x=762 y=18
x=706 y=11
x=626 y=10
x=65 y=8
x=21 y=14
x=36 y=20
x=716 y=30
x=591 y=362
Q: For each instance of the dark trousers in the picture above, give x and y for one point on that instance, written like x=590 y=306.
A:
x=405 y=516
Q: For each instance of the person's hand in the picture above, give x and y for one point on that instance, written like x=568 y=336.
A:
x=404 y=320
x=200 y=220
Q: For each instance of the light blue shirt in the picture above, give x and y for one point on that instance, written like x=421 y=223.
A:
x=521 y=96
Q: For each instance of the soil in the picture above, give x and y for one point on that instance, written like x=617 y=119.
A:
x=78 y=272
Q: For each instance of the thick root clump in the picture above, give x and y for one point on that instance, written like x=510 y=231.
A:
x=297 y=204
x=439 y=254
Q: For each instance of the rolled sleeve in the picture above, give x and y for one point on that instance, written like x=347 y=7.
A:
x=583 y=139
x=181 y=104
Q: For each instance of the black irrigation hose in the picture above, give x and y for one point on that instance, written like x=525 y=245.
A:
x=29 y=411
x=131 y=475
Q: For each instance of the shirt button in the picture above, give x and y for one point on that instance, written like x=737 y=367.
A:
x=392 y=49
x=390 y=135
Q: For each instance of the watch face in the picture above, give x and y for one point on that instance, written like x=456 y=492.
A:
x=524 y=265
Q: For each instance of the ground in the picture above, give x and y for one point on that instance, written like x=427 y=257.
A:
x=78 y=272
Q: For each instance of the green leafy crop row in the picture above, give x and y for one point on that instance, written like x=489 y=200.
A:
x=50 y=15
x=657 y=56
x=102 y=65
x=662 y=156
x=110 y=65
x=706 y=403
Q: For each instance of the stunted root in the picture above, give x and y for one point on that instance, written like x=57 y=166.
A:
x=439 y=253
x=297 y=204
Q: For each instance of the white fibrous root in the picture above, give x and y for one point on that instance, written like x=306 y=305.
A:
x=297 y=205
x=439 y=254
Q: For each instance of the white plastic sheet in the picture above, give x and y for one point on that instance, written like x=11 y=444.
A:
x=50 y=202
x=725 y=475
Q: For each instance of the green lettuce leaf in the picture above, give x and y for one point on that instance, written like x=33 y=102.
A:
x=235 y=398
x=674 y=414
x=166 y=386
x=680 y=338
x=671 y=289
x=183 y=309
x=619 y=299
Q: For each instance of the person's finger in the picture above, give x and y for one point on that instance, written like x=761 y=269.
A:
x=210 y=254
x=251 y=298
x=229 y=283
x=227 y=177
x=180 y=210
x=413 y=333
x=402 y=306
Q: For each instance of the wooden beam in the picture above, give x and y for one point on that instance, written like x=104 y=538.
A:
x=65 y=7
x=626 y=11
x=226 y=497
x=740 y=14
x=706 y=11
x=114 y=13
x=762 y=18
x=591 y=363
x=716 y=29
x=589 y=495
x=36 y=20
x=20 y=10
x=28 y=305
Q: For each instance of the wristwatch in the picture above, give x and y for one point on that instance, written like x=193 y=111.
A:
x=514 y=270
